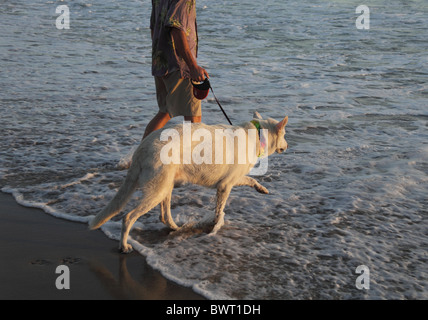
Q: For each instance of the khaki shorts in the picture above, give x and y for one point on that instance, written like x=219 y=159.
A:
x=175 y=96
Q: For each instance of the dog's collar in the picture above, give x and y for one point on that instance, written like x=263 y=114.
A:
x=261 y=138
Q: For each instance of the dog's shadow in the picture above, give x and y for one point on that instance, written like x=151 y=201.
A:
x=194 y=228
x=189 y=229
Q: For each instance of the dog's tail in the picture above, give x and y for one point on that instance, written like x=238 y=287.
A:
x=118 y=202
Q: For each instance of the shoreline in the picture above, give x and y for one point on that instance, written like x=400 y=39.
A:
x=35 y=243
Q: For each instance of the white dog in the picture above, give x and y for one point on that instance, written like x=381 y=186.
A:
x=156 y=178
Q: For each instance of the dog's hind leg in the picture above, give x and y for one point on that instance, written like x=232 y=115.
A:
x=222 y=195
x=162 y=208
x=129 y=220
x=151 y=198
x=248 y=181
x=165 y=208
x=124 y=247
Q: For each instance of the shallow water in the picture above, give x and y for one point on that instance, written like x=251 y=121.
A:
x=350 y=190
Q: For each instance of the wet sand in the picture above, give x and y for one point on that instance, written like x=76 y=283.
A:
x=34 y=244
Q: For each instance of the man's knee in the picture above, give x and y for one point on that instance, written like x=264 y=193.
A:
x=163 y=116
x=193 y=119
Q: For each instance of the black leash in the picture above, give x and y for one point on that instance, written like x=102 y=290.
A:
x=204 y=86
x=218 y=102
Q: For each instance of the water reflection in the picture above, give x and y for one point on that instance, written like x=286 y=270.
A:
x=135 y=280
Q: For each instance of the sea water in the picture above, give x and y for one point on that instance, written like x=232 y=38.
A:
x=351 y=189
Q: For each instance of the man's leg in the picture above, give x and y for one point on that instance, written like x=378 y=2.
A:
x=158 y=122
x=180 y=98
x=162 y=117
x=193 y=119
x=169 y=92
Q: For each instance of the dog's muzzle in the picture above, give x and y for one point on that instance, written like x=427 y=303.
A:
x=281 y=150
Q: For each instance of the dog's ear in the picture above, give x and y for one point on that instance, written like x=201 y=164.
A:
x=257 y=115
x=281 y=125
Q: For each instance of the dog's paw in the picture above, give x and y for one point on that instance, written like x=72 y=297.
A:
x=174 y=229
x=126 y=248
x=172 y=226
x=217 y=225
x=261 y=189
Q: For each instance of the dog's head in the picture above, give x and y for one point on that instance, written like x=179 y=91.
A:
x=276 y=129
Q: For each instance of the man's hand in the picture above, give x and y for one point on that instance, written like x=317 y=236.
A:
x=197 y=73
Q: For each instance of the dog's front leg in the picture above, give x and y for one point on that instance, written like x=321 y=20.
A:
x=222 y=195
x=248 y=181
